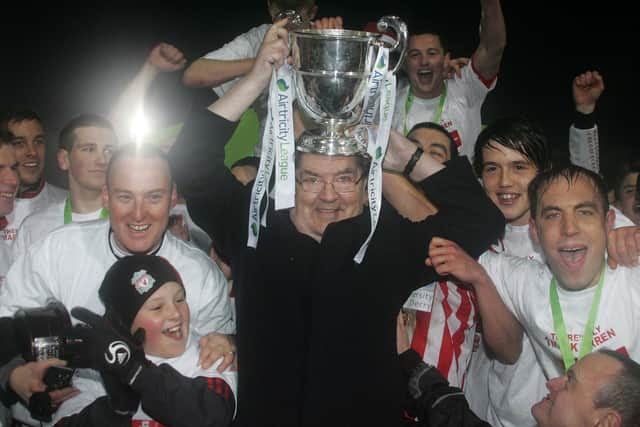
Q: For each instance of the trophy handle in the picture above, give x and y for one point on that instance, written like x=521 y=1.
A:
x=400 y=28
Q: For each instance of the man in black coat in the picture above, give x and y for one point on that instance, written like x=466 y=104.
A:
x=316 y=330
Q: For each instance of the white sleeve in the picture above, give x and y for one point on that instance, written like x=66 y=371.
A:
x=213 y=312
x=244 y=46
x=509 y=275
x=28 y=281
x=584 y=148
x=475 y=88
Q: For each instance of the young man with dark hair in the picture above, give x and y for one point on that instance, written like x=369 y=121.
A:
x=508 y=155
x=85 y=146
x=28 y=139
x=572 y=305
x=625 y=190
x=422 y=133
x=438 y=319
x=454 y=104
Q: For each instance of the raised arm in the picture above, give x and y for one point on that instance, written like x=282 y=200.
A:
x=583 y=133
x=401 y=153
x=217 y=201
x=205 y=72
x=493 y=39
x=273 y=53
x=405 y=197
x=130 y=104
x=235 y=59
x=501 y=330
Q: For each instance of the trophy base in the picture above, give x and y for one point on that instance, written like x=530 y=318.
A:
x=316 y=141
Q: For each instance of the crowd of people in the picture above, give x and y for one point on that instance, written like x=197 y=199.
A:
x=498 y=289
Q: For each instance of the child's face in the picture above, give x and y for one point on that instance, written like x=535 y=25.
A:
x=165 y=319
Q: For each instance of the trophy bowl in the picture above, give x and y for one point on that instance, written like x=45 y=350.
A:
x=331 y=73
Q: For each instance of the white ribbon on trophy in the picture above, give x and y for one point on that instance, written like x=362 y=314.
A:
x=381 y=91
x=278 y=149
x=278 y=145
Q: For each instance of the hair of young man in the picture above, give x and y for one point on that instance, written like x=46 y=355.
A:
x=628 y=167
x=571 y=173
x=453 y=148
x=362 y=162
x=67 y=138
x=622 y=393
x=418 y=26
x=17 y=115
x=519 y=134
x=127 y=151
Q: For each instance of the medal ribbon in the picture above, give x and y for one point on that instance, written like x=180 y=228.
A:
x=378 y=147
x=409 y=102
x=68 y=214
x=282 y=116
x=265 y=169
x=586 y=346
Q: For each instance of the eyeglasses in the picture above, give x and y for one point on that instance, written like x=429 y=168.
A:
x=342 y=184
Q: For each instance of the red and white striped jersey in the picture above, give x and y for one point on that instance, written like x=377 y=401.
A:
x=445 y=325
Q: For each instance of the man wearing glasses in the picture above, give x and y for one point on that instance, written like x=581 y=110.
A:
x=316 y=330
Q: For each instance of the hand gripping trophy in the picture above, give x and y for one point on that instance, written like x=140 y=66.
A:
x=333 y=72
x=340 y=78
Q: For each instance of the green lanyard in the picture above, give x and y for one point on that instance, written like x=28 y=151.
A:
x=409 y=102
x=561 y=331
x=104 y=213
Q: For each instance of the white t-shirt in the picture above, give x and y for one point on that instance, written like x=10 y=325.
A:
x=186 y=364
x=460 y=114
x=48 y=194
x=40 y=223
x=197 y=235
x=503 y=394
x=524 y=288
x=507 y=392
x=70 y=263
x=244 y=46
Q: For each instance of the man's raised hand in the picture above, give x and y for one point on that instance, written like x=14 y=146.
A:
x=165 y=57
x=587 y=88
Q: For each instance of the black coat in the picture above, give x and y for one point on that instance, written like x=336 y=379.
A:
x=315 y=330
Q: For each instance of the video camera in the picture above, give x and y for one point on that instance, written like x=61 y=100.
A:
x=40 y=336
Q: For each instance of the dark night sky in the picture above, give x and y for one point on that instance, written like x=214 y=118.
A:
x=64 y=59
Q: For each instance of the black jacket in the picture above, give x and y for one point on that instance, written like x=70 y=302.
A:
x=172 y=399
x=315 y=330
x=431 y=400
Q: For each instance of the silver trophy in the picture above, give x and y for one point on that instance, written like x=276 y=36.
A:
x=331 y=73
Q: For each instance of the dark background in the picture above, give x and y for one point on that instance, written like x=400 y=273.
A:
x=64 y=59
